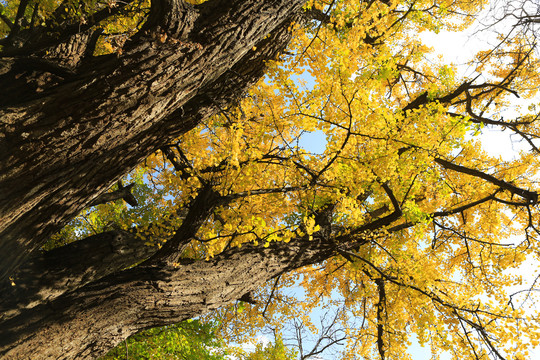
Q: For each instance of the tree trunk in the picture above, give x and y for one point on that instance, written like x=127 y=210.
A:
x=67 y=141
x=76 y=302
x=44 y=277
x=89 y=321
x=73 y=124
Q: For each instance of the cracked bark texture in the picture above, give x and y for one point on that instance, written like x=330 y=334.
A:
x=46 y=276
x=69 y=132
x=72 y=124
x=79 y=300
x=101 y=314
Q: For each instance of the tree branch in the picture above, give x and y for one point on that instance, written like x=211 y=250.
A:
x=105 y=312
x=18 y=19
x=423 y=99
x=48 y=275
x=381 y=304
x=530 y=196
x=199 y=210
x=6 y=20
x=462 y=208
x=384 y=221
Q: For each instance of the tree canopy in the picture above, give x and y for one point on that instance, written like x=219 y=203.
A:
x=187 y=340
x=401 y=220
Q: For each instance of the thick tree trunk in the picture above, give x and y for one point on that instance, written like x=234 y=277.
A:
x=71 y=126
x=44 y=277
x=65 y=144
x=76 y=302
x=88 y=322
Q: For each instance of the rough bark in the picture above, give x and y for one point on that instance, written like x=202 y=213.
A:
x=102 y=314
x=46 y=276
x=73 y=135
x=81 y=289
x=73 y=124
x=162 y=290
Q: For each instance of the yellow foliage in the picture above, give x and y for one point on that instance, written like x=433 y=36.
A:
x=355 y=78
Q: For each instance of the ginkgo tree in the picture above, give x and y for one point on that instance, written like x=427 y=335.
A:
x=403 y=219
